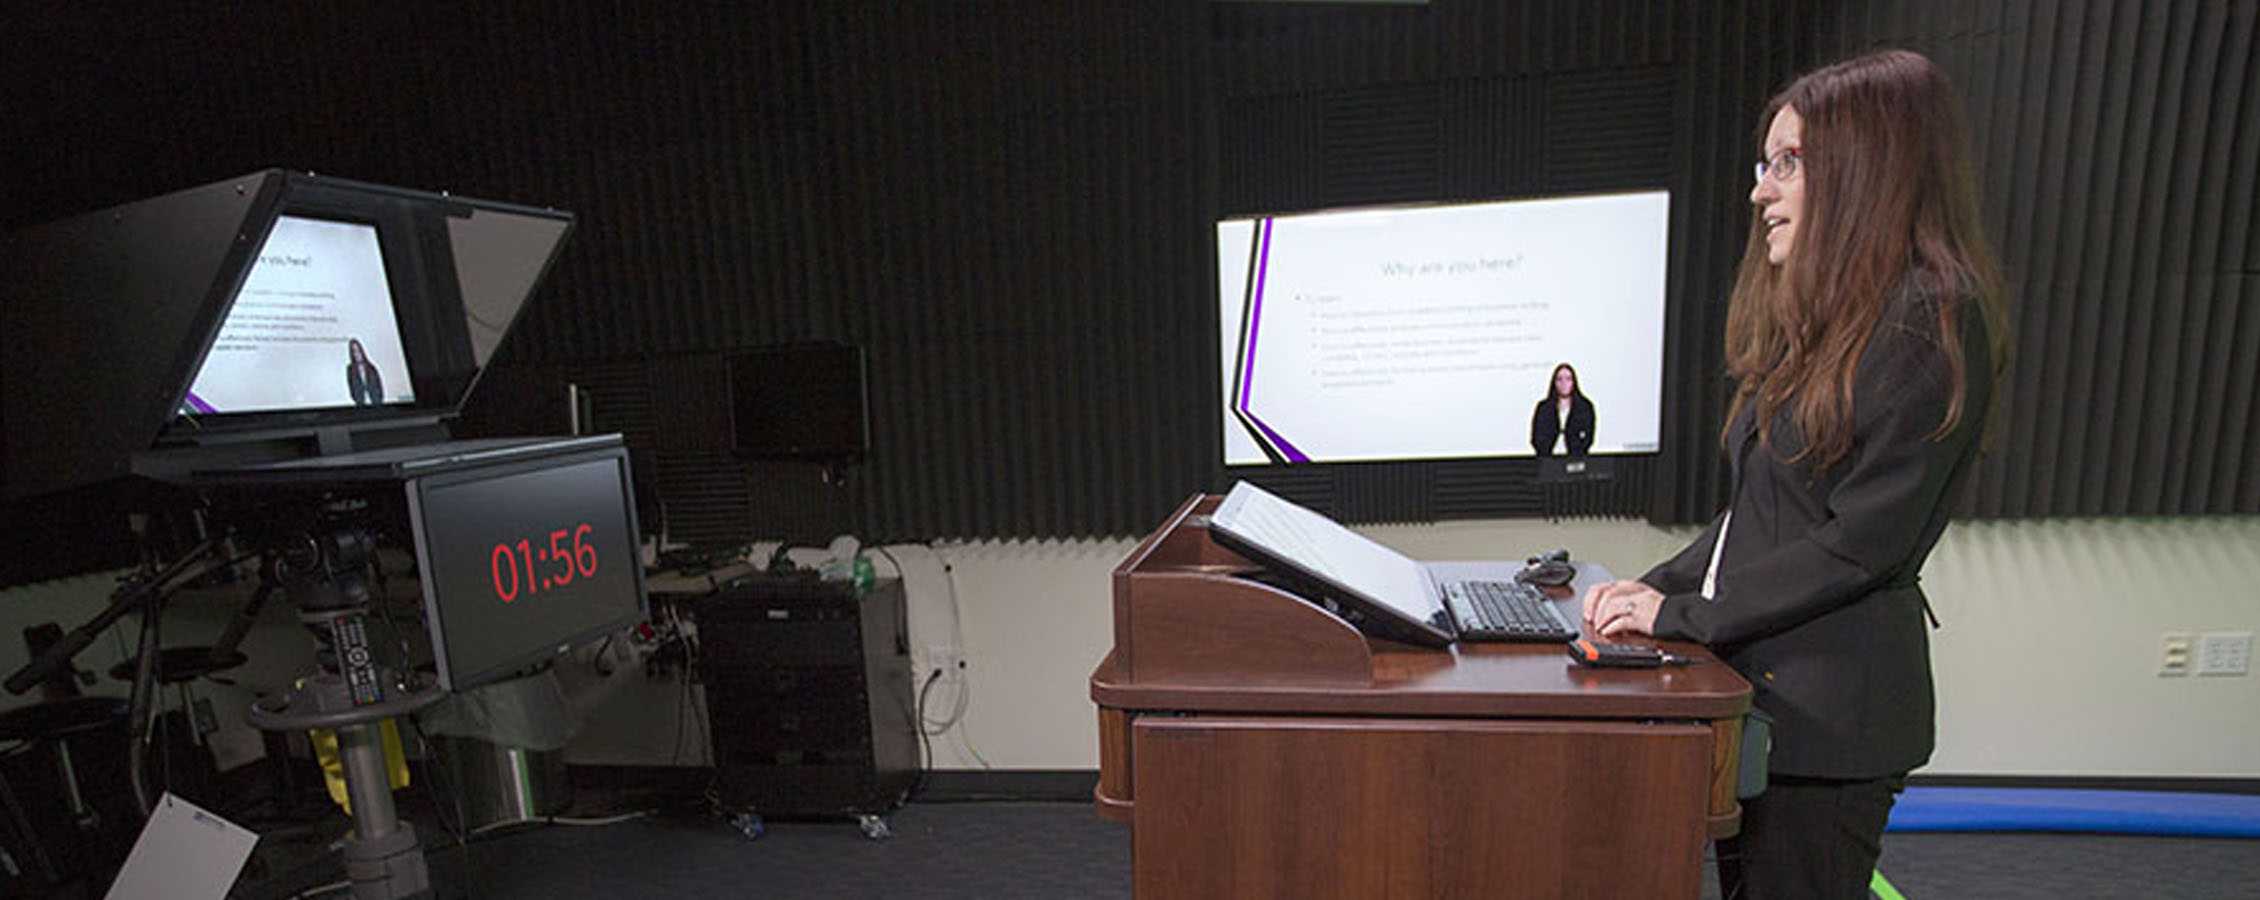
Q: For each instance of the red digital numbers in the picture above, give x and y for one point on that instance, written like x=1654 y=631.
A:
x=567 y=561
x=504 y=563
x=584 y=554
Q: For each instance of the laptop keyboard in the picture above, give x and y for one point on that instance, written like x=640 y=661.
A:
x=1505 y=611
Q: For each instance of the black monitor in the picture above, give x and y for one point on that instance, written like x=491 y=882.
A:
x=523 y=559
x=803 y=401
x=525 y=547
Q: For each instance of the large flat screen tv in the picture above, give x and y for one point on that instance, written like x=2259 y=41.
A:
x=1442 y=331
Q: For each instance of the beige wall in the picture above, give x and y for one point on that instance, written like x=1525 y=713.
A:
x=2047 y=664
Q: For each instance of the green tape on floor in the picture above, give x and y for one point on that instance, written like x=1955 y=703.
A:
x=1883 y=889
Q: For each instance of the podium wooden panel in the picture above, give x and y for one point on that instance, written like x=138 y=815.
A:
x=1261 y=747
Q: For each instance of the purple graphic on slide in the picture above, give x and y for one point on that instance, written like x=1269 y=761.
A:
x=1248 y=353
x=197 y=403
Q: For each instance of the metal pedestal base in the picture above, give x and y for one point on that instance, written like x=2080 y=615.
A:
x=381 y=855
x=387 y=868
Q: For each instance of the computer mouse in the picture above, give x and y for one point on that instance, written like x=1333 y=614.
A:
x=1550 y=572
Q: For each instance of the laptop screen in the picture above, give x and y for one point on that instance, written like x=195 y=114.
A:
x=1321 y=548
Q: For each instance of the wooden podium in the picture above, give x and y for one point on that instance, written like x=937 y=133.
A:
x=1261 y=747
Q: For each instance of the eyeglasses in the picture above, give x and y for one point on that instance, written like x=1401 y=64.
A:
x=1782 y=166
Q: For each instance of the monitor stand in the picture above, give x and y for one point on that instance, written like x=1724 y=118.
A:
x=354 y=694
x=382 y=857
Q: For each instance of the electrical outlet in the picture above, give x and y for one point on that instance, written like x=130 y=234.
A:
x=948 y=659
x=2224 y=653
x=2174 y=651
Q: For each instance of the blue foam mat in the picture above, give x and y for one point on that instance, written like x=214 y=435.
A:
x=2092 y=811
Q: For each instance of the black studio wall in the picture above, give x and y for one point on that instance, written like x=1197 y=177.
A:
x=2116 y=146
x=1008 y=204
x=1480 y=101
x=998 y=204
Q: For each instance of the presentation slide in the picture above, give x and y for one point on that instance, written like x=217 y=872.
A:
x=1532 y=327
x=313 y=327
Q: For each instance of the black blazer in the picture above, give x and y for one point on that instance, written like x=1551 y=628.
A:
x=362 y=380
x=1817 y=602
x=1546 y=426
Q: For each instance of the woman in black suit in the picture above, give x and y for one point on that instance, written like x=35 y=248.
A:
x=1562 y=415
x=1864 y=337
x=361 y=377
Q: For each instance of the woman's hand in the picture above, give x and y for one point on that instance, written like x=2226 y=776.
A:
x=1617 y=608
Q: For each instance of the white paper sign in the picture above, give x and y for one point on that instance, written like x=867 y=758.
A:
x=184 y=853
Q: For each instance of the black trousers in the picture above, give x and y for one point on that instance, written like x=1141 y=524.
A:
x=1808 y=839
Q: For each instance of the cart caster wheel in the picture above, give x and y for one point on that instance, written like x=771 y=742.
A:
x=749 y=825
x=874 y=827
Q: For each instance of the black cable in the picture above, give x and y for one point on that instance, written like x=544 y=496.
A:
x=899 y=573
x=682 y=696
x=383 y=601
x=702 y=714
x=957 y=638
x=682 y=711
x=918 y=712
x=162 y=730
x=597 y=660
x=925 y=742
x=902 y=613
x=457 y=828
x=780 y=561
x=712 y=792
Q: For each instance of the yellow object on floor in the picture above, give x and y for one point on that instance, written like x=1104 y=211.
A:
x=333 y=772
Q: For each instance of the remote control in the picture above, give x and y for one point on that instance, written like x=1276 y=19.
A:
x=351 y=640
x=1623 y=656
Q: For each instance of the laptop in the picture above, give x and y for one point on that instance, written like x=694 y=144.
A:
x=1382 y=592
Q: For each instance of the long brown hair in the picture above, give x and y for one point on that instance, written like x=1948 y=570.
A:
x=1890 y=205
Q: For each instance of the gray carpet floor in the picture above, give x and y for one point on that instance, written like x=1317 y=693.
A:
x=1060 y=850
x=985 y=850
x=2070 y=867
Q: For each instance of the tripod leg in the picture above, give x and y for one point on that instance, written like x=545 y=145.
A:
x=28 y=834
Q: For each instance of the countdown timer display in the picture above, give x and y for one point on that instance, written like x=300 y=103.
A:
x=523 y=561
x=579 y=560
